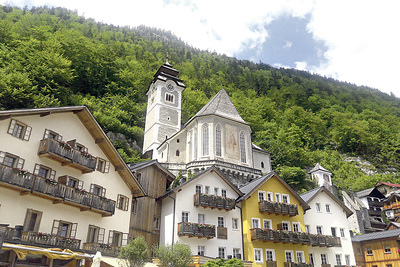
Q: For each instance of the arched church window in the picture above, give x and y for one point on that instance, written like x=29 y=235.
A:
x=218 y=133
x=242 y=145
x=177 y=153
x=262 y=165
x=206 y=140
x=169 y=97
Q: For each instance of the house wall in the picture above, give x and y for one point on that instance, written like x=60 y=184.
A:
x=337 y=219
x=13 y=206
x=378 y=257
x=259 y=157
x=250 y=211
x=184 y=203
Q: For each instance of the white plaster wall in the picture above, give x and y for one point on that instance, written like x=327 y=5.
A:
x=167 y=221
x=70 y=127
x=337 y=218
x=184 y=202
x=259 y=157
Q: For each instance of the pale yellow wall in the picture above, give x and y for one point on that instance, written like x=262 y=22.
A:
x=13 y=206
x=250 y=210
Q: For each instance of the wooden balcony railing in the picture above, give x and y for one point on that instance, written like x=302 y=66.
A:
x=375 y=203
x=374 y=212
x=50 y=189
x=271 y=263
x=105 y=249
x=279 y=236
x=297 y=264
x=64 y=153
x=196 y=230
x=278 y=208
x=214 y=202
x=50 y=240
x=222 y=232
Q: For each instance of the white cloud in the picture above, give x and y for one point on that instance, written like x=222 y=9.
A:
x=288 y=45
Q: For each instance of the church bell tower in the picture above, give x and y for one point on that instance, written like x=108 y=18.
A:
x=163 y=116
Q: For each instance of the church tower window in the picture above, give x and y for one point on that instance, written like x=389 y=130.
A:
x=242 y=145
x=218 y=131
x=169 y=98
x=206 y=140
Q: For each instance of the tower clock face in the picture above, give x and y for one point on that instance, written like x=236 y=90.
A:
x=170 y=86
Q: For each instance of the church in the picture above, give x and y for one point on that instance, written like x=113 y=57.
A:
x=216 y=136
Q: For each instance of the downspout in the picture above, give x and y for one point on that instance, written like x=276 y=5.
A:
x=173 y=222
x=241 y=226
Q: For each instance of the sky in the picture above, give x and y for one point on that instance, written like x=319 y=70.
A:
x=356 y=41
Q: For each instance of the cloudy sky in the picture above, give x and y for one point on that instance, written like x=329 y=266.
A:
x=357 y=41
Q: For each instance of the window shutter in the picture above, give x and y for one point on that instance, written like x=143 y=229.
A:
x=92 y=188
x=118 y=200
x=103 y=192
x=85 y=149
x=279 y=226
x=74 y=226
x=2 y=155
x=52 y=174
x=110 y=236
x=107 y=167
x=20 y=163
x=59 y=138
x=80 y=184
x=12 y=125
x=46 y=134
x=101 y=235
x=27 y=219
x=56 y=225
x=126 y=207
x=124 y=240
x=28 y=131
x=36 y=170
x=38 y=219
x=63 y=179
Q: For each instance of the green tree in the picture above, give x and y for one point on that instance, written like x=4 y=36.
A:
x=176 y=255
x=223 y=262
x=135 y=253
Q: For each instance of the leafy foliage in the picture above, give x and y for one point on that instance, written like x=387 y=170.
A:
x=177 y=255
x=223 y=262
x=53 y=57
x=135 y=253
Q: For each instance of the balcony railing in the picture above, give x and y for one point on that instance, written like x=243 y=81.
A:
x=374 y=212
x=278 y=208
x=271 y=263
x=214 y=202
x=279 y=236
x=375 y=203
x=64 y=153
x=28 y=183
x=296 y=264
x=222 y=232
x=196 y=230
x=105 y=249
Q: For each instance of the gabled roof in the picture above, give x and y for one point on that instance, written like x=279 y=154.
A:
x=318 y=167
x=376 y=235
x=373 y=192
x=310 y=195
x=395 y=224
x=251 y=187
x=100 y=138
x=388 y=184
x=166 y=72
x=140 y=165
x=220 y=105
x=200 y=174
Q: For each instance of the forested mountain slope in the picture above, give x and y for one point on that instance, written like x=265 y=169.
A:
x=53 y=57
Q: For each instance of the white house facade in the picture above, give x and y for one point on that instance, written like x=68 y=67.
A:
x=62 y=183
x=203 y=214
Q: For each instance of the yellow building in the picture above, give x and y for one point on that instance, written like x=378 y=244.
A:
x=273 y=223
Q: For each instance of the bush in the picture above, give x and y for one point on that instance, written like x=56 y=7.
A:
x=135 y=253
x=176 y=255
x=222 y=262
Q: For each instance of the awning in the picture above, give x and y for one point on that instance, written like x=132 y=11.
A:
x=51 y=253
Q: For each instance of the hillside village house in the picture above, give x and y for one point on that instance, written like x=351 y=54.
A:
x=202 y=213
x=62 y=185
x=216 y=136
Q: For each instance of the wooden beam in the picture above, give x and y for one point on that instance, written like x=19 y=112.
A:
x=119 y=168
x=99 y=141
x=45 y=114
x=4 y=117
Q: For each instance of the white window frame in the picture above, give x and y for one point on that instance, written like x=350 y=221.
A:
x=216 y=191
x=221 y=219
x=326 y=258
x=288 y=224
x=278 y=197
x=255 y=220
x=223 y=250
x=338 y=258
x=261 y=193
x=270 y=195
x=287 y=198
x=385 y=249
x=303 y=258
x=298 y=227
x=236 y=253
x=182 y=216
x=307 y=228
x=207 y=190
x=342 y=233
x=318 y=207
x=291 y=255
x=328 y=208
x=205 y=133
x=347 y=259
x=312 y=258
x=198 y=186
x=322 y=229
x=235 y=224
x=223 y=192
x=270 y=223
x=273 y=254
x=218 y=140
x=201 y=218
x=201 y=250
x=260 y=260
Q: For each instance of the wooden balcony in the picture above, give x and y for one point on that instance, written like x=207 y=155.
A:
x=278 y=208
x=105 y=249
x=222 y=233
x=27 y=183
x=372 y=212
x=277 y=236
x=196 y=230
x=66 y=155
x=214 y=202
x=297 y=264
x=271 y=263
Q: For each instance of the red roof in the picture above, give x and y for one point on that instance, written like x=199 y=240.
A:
x=388 y=184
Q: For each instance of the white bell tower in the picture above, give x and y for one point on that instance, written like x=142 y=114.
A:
x=163 y=117
x=322 y=176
